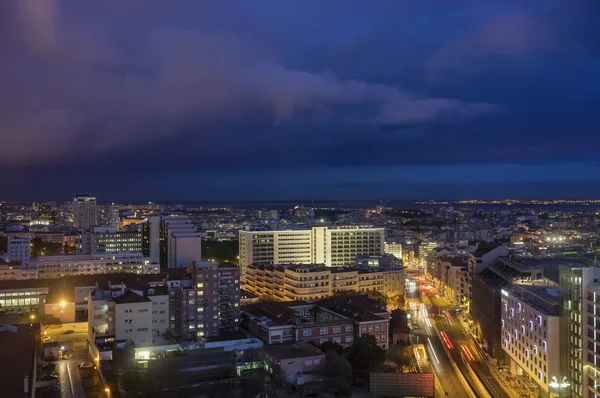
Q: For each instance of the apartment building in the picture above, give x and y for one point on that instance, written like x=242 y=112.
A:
x=370 y=316
x=292 y=282
x=19 y=249
x=132 y=314
x=531 y=333
x=205 y=301
x=59 y=266
x=171 y=241
x=279 y=322
x=332 y=246
x=107 y=240
x=453 y=277
x=478 y=260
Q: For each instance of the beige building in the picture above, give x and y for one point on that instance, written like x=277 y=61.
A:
x=316 y=281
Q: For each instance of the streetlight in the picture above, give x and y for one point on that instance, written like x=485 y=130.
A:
x=107 y=391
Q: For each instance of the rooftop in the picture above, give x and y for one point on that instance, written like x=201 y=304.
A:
x=293 y=350
x=130 y=297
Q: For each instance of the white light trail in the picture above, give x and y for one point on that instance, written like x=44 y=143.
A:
x=433 y=350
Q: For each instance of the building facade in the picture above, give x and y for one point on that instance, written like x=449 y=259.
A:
x=531 y=333
x=70 y=265
x=105 y=240
x=19 y=250
x=333 y=247
x=172 y=241
x=85 y=214
x=205 y=301
x=580 y=362
x=311 y=282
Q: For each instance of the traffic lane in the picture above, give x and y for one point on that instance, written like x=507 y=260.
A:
x=443 y=369
x=478 y=363
x=64 y=379
x=442 y=366
x=454 y=347
x=459 y=339
x=71 y=385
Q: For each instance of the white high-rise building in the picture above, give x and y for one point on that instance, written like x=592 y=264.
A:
x=332 y=246
x=84 y=211
x=19 y=249
x=172 y=240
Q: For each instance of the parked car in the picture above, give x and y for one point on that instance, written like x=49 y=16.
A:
x=86 y=365
x=46 y=339
x=49 y=377
x=69 y=332
x=48 y=368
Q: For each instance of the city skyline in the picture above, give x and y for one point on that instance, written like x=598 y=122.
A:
x=274 y=101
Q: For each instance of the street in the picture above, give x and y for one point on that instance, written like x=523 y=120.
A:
x=71 y=385
x=443 y=369
x=465 y=349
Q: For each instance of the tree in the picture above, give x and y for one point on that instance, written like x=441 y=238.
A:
x=403 y=357
x=365 y=354
x=341 y=389
x=339 y=372
x=316 y=311
x=332 y=346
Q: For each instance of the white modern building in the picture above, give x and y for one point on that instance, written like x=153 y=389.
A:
x=172 y=241
x=59 y=266
x=19 y=249
x=332 y=246
x=84 y=211
x=531 y=333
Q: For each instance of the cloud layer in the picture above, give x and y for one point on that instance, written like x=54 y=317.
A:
x=210 y=87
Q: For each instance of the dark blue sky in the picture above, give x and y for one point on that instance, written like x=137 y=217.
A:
x=277 y=100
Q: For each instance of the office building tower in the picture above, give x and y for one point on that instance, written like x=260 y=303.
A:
x=173 y=241
x=531 y=333
x=580 y=351
x=19 y=249
x=103 y=240
x=205 y=301
x=332 y=246
x=84 y=211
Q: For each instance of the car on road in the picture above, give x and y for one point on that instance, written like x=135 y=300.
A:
x=46 y=339
x=69 y=332
x=86 y=365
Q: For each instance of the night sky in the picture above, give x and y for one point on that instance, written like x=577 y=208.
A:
x=280 y=100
